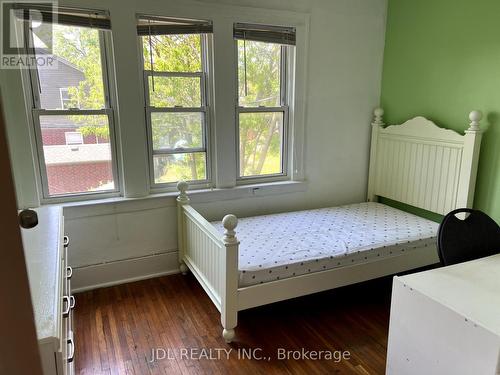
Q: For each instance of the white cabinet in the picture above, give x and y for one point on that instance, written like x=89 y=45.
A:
x=446 y=321
x=46 y=252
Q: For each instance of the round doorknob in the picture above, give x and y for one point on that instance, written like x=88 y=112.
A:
x=28 y=219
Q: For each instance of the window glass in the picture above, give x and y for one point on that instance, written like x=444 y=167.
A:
x=176 y=167
x=175 y=91
x=77 y=82
x=259 y=74
x=72 y=167
x=261 y=135
x=174 y=130
x=173 y=53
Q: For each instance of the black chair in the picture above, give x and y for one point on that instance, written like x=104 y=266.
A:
x=476 y=236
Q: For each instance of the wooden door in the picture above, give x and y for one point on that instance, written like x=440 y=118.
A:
x=18 y=344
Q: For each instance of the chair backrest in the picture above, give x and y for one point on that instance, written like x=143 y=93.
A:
x=475 y=236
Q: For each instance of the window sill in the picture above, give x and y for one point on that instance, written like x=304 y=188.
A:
x=108 y=206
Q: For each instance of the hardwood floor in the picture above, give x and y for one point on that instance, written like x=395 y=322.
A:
x=116 y=329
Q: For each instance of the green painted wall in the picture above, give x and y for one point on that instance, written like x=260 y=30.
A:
x=442 y=60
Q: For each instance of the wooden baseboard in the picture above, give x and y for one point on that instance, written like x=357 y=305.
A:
x=124 y=271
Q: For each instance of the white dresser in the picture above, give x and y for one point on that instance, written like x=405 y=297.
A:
x=46 y=251
x=446 y=321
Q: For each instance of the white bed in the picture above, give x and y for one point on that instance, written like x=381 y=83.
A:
x=288 y=255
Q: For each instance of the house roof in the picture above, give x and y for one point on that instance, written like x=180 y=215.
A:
x=43 y=51
x=76 y=154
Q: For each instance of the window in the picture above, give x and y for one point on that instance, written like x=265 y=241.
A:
x=70 y=103
x=68 y=100
x=65 y=98
x=175 y=78
x=259 y=130
x=262 y=111
x=73 y=138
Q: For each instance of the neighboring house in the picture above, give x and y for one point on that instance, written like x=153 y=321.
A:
x=52 y=81
x=55 y=85
x=75 y=163
x=76 y=168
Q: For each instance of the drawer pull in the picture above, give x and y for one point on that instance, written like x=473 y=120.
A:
x=67 y=308
x=72 y=302
x=69 y=272
x=66 y=241
x=71 y=346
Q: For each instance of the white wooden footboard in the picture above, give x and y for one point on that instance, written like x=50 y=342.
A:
x=211 y=257
x=203 y=253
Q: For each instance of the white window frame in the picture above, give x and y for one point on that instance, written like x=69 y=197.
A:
x=204 y=108
x=132 y=140
x=285 y=77
x=108 y=110
x=61 y=91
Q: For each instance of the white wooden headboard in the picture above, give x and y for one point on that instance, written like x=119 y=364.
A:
x=423 y=165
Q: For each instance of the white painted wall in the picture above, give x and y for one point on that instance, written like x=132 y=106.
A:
x=346 y=42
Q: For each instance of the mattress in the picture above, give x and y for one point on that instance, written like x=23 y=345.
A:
x=279 y=246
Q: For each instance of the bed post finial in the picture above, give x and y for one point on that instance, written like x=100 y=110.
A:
x=183 y=198
x=230 y=222
x=475 y=117
x=378 y=114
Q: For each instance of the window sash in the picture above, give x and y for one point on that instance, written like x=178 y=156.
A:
x=283 y=78
x=149 y=109
x=284 y=108
x=158 y=186
x=37 y=112
x=43 y=167
x=171 y=151
x=284 y=144
x=168 y=150
x=35 y=77
x=203 y=92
